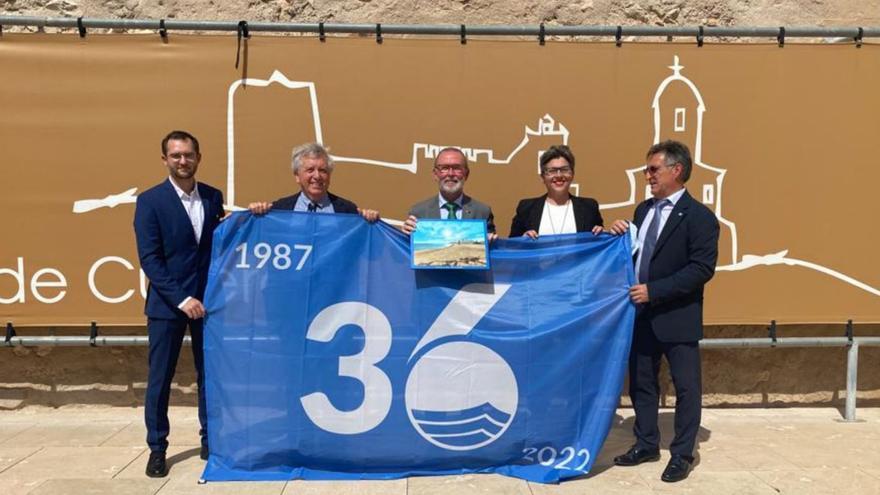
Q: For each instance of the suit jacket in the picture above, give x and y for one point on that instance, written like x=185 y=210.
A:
x=470 y=209
x=340 y=205
x=529 y=212
x=176 y=265
x=683 y=261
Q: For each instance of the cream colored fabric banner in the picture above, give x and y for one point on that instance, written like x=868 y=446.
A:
x=784 y=141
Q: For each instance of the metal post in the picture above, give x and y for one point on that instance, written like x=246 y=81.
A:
x=852 y=381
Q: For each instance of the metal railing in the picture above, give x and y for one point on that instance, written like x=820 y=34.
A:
x=849 y=341
x=459 y=30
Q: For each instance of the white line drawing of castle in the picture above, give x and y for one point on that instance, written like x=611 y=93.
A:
x=670 y=121
x=547 y=126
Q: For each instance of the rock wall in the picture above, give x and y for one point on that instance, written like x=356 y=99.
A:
x=565 y=12
x=752 y=377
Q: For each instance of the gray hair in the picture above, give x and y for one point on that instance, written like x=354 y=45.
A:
x=457 y=150
x=310 y=150
x=674 y=152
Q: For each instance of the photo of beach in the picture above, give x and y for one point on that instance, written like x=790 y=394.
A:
x=450 y=244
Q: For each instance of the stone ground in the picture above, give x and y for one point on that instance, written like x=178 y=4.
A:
x=76 y=450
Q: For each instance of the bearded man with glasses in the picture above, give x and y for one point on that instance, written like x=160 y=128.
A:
x=450 y=172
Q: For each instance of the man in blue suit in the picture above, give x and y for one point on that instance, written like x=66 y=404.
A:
x=678 y=239
x=174 y=223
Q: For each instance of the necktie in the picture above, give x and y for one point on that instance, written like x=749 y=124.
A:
x=651 y=240
x=313 y=206
x=451 y=208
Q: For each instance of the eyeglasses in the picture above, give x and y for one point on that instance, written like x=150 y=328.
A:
x=653 y=169
x=449 y=170
x=190 y=157
x=562 y=171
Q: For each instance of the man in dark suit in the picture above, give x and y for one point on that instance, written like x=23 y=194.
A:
x=557 y=211
x=678 y=238
x=174 y=223
x=450 y=172
x=312 y=167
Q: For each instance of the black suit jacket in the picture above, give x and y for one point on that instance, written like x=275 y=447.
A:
x=529 y=211
x=340 y=205
x=683 y=261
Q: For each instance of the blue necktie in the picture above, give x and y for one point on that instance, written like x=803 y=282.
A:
x=313 y=206
x=651 y=241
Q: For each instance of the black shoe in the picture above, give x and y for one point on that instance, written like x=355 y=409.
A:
x=636 y=455
x=156 y=467
x=677 y=469
x=203 y=453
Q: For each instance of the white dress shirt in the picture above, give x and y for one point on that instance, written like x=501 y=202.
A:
x=192 y=204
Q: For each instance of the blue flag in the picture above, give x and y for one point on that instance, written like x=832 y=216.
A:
x=328 y=357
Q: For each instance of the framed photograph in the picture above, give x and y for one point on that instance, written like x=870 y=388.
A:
x=450 y=244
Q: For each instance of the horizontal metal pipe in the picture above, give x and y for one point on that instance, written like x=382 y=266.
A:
x=787 y=342
x=141 y=340
x=448 y=29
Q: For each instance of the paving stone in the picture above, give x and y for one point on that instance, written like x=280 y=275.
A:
x=467 y=484
x=146 y=486
x=821 y=481
x=10 y=456
x=368 y=487
x=72 y=462
x=10 y=429
x=67 y=433
x=608 y=481
x=701 y=482
x=19 y=487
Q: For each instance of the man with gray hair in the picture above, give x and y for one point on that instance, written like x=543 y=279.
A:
x=312 y=166
x=450 y=172
x=678 y=248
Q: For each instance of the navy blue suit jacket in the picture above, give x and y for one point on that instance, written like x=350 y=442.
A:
x=175 y=264
x=683 y=261
x=340 y=205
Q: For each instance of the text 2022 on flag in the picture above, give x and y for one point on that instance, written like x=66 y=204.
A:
x=328 y=357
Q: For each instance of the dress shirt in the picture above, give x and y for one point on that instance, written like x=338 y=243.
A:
x=664 y=215
x=192 y=204
x=324 y=204
x=444 y=213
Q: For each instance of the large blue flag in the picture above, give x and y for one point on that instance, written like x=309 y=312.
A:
x=328 y=357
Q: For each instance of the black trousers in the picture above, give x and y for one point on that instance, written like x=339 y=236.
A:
x=644 y=389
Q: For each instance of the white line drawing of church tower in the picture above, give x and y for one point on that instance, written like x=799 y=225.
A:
x=675 y=121
x=683 y=122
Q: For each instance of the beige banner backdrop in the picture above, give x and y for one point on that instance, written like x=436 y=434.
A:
x=784 y=141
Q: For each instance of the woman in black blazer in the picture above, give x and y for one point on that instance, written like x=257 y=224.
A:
x=557 y=212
